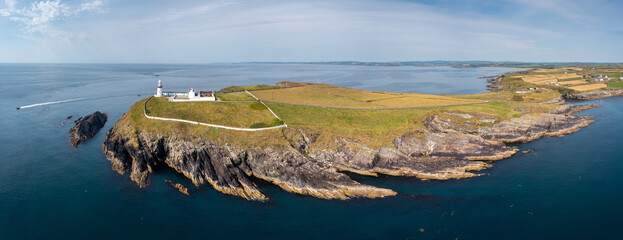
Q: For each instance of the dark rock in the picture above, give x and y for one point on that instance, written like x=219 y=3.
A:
x=178 y=186
x=86 y=127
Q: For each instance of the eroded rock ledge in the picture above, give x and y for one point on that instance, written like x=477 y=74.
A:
x=452 y=145
x=594 y=94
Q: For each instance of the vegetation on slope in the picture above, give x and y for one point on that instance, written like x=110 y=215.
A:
x=249 y=88
x=231 y=114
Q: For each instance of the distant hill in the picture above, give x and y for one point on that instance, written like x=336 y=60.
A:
x=458 y=64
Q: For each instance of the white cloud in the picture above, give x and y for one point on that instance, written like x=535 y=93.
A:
x=197 y=10
x=10 y=4
x=41 y=15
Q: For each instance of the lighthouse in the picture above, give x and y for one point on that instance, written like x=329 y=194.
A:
x=159 y=89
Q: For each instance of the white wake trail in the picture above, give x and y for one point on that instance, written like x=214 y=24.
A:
x=48 y=103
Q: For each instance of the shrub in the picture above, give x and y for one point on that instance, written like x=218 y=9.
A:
x=517 y=98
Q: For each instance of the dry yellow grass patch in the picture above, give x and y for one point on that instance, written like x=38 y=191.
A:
x=543 y=70
x=541 y=79
x=574 y=68
x=565 y=76
x=332 y=96
x=574 y=82
x=588 y=87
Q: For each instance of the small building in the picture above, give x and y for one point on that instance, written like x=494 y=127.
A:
x=189 y=96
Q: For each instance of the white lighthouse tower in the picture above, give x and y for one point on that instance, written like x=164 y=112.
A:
x=159 y=89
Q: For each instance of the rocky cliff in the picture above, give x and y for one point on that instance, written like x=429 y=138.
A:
x=450 y=145
x=86 y=127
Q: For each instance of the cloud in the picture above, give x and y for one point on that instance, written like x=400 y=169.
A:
x=189 y=12
x=41 y=15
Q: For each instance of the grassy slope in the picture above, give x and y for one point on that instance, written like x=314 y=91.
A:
x=327 y=95
x=234 y=96
x=530 y=97
x=252 y=87
x=232 y=114
x=134 y=121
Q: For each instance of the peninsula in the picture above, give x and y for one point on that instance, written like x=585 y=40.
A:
x=303 y=137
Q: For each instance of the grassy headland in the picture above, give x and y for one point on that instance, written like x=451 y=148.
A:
x=372 y=127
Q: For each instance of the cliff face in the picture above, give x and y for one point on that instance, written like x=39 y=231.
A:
x=86 y=127
x=229 y=168
x=452 y=145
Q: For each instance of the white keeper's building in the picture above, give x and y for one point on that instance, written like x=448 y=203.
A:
x=190 y=96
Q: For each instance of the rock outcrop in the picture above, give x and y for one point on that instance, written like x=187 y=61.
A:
x=178 y=186
x=533 y=126
x=450 y=145
x=593 y=94
x=86 y=127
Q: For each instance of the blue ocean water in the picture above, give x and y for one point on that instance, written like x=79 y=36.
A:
x=568 y=188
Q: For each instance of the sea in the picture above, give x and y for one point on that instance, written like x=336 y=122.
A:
x=565 y=188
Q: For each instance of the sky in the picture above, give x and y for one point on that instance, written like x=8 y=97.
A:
x=160 y=31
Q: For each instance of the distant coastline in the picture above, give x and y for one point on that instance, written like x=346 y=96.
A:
x=458 y=64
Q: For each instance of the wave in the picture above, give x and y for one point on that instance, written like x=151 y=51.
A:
x=53 y=102
x=76 y=99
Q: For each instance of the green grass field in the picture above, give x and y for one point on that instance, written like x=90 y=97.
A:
x=615 y=85
x=234 y=96
x=375 y=128
x=252 y=87
x=231 y=114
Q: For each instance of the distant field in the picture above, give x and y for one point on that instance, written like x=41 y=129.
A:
x=589 y=87
x=574 y=82
x=326 y=95
x=541 y=79
x=232 y=114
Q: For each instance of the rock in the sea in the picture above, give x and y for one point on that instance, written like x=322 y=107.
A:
x=178 y=186
x=86 y=127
